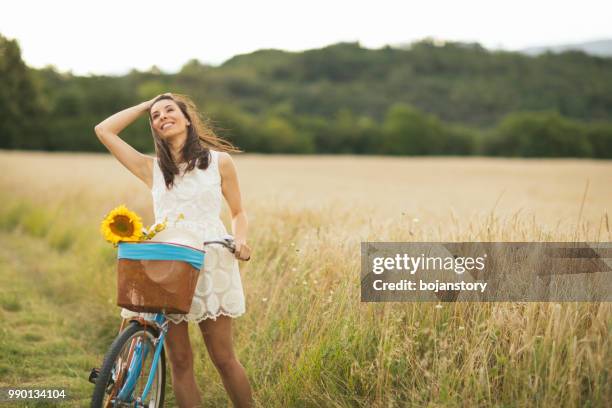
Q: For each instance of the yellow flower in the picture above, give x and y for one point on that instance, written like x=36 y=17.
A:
x=160 y=227
x=149 y=233
x=121 y=224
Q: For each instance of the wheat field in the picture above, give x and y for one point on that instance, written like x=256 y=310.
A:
x=306 y=339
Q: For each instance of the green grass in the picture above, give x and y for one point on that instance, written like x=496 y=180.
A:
x=310 y=343
x=44 y=342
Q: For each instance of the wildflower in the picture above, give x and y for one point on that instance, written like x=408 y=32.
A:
x=162 y=226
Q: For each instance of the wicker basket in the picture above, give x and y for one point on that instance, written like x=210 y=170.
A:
x=157 y=277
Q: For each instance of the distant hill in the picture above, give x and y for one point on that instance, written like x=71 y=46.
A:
x=342 y=98
x=601 y=48
x=458 y=82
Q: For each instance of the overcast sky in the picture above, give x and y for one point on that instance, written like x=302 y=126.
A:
x=111 y=36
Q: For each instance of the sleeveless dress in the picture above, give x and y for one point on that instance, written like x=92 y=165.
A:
x=197 y=195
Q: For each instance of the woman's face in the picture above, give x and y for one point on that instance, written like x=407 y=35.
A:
x=168 y=119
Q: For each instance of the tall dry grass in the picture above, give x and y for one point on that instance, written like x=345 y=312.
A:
x=306 y=340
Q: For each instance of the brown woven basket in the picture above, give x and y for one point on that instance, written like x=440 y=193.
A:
x=155 y=286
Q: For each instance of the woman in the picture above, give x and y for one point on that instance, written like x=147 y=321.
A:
x=190 y=172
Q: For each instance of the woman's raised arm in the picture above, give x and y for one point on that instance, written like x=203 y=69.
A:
x=108 y=131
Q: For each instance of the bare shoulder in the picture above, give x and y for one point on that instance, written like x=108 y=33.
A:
x=227 y=168
x=224 y=157
x=225 y=161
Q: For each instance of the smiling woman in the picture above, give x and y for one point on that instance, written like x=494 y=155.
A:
x=170 y=116
x=188 y=178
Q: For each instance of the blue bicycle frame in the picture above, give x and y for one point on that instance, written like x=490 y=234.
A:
x=140 y=353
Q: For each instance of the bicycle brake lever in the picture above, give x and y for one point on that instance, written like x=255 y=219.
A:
x=230 y=241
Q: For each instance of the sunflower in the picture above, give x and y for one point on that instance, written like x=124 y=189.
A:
x=121 y=224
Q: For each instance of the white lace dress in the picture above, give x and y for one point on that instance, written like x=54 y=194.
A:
x=197 y=195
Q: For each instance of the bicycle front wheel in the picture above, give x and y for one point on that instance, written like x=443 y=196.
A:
x=134 y=344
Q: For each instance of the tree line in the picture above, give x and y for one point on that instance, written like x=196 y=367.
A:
x=426 y=99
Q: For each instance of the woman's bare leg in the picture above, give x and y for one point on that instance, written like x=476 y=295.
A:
x=218 y=338
x=180 y=354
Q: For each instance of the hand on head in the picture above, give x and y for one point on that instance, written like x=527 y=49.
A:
x=151 y=101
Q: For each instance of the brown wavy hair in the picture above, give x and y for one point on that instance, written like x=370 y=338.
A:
x=200 y=139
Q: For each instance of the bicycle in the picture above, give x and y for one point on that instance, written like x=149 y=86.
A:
x=118 y=382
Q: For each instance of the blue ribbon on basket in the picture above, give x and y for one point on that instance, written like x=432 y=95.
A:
x=160 y=251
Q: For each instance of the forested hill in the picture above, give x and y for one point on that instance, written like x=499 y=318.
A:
x=457 y=82
x=427 y=98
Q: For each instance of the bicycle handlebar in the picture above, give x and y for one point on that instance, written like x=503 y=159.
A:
x=227 y=242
